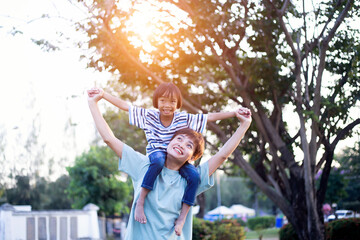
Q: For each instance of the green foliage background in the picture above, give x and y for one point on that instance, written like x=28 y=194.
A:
x=95 y=179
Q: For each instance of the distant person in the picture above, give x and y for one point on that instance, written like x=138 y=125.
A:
x=159 y=127
x=163 y=205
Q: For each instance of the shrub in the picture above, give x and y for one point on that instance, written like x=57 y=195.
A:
x=227 y=229
x=241 y=222
x=342 y=229
x=257 y=223
x=287 y=232
x=235 y=222
x=201 y=229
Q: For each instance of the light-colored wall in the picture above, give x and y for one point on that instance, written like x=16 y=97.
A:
x=18 y=227
x=13 y=223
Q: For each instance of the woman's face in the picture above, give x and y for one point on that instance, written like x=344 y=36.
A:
x=181 y=148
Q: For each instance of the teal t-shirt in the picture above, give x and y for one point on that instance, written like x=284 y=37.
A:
x=162 y=204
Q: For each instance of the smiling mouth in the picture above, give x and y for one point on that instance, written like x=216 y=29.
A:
x=178 y=150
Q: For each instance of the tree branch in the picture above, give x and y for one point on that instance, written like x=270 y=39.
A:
x=344 y=132
x=270 y=192
x=288 y=37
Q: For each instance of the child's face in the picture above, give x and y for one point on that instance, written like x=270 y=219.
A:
x=167 y=105
x=181 y=148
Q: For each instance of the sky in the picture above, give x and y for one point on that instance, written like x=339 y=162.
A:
x=41 y=89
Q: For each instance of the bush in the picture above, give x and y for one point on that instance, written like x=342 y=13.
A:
x=287 y=232
x=227 y=229
x=201 y=229
x=241 y=222
x=257 y=223
x=235 y=222
x=342 y=229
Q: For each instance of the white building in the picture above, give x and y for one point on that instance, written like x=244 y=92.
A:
x=20 y=223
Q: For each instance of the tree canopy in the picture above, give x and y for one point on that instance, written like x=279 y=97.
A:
x=349 y=168
x=95 y=178
x=41 y=195
x=295 y=64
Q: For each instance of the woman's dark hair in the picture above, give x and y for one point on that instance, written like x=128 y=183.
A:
x=167 y=90
x=197 y=138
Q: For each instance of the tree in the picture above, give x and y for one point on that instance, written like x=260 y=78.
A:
x=2 y=153
x=230 y=197
x=95 y=179
x=21 y=194
x=336 y=187
x=131 y=135
x=2 y=194
x=40 y=195
x=274 y=57
x=349 y=161
x=344 y=181
x=57 y=193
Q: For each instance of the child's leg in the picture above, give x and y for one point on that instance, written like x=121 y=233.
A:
x=179 y=223
x=189 y=172
x=157 y=160
x=139 y=214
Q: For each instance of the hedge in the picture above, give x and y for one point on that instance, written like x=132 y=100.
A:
x=342 y=229
x=258 y=223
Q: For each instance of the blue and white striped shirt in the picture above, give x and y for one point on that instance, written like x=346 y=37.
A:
x=158 y=136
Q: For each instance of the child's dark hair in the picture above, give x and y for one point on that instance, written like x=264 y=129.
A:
x=167 y=90
x=197 y=138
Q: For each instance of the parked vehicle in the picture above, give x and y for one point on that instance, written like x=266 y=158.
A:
x=339 y=214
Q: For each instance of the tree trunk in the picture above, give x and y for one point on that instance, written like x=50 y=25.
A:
x=201 y=201
x=300 y=223
x=299 y=216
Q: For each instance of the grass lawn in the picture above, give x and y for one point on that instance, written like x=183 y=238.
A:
x=267 y=233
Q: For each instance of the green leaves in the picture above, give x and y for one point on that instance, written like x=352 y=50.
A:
x=94 y=179
x=41 y=194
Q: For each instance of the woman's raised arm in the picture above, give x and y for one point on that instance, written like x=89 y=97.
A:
x=101 y=125
x=244 y=116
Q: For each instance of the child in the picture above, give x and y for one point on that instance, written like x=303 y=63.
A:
x=159 y=127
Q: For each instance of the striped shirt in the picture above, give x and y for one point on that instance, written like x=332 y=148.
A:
x=158 y=136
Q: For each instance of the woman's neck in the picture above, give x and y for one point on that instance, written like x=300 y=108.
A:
x=172 y=164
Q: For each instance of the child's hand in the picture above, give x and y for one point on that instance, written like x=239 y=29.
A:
x=244 y=111
x=95 y=91
x=95 y=94
x=243 y=114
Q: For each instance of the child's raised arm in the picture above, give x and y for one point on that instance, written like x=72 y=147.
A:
x=244 y=116
x=123 y=105
x=101 y=125
x=220 y=116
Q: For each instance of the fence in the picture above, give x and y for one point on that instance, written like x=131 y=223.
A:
x=20 y=223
